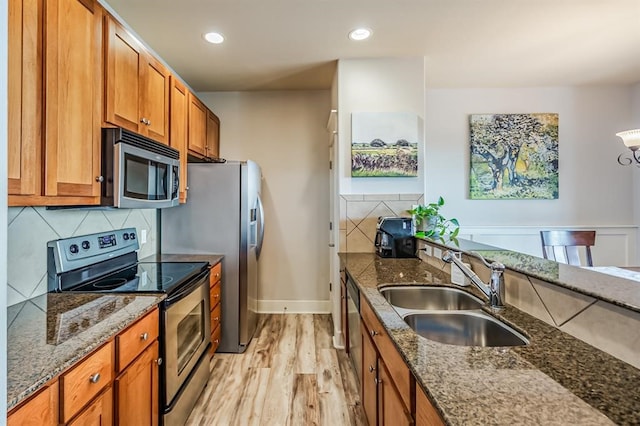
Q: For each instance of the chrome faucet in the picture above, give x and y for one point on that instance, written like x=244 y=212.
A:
x=494 y=291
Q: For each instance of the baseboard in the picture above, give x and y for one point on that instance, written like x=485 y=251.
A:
x=294 y=306
x=337 y=340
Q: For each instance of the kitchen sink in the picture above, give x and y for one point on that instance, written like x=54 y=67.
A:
x=464 y=329
x=430 y=298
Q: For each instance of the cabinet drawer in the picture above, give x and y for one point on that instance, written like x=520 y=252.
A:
x=398 y=370
x=86 y=380
x=216 y=273
x=131 y=342
x=214 y=296
x=215 y=317
x=215 y=339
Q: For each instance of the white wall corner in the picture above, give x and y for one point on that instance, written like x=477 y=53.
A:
x=294 y=306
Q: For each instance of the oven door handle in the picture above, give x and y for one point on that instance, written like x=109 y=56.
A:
x=185 y=290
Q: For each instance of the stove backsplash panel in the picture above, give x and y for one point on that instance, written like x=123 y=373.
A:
x=30 y=228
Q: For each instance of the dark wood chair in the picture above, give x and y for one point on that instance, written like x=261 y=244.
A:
x=568 y=243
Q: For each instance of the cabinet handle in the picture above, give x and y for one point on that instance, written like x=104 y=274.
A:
x=158 y=361
x=100 y=179
x=374 y=333
x=371 y=369
x=378 y=381
x=216 y=276
x=216 y=341
x=144 y=336
x=94 y=378
x=148 y=122
x=216 y=319
x=143 y=120
x=215 y=296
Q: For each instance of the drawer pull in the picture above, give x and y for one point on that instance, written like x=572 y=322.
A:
x=216 y=319
x=216 y=276
x=374 y=333
x=216 y=341
x=95 y=378
x=371 y=369
x=215 y=296
x=378 y=381
x=144 y=336
x=158 y=361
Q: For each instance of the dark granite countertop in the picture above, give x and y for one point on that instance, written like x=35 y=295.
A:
x=213 y=259
x=619 y=291
x=49 y=333
x=555 y=380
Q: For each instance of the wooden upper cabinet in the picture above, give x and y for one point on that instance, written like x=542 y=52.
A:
x=136 y=87
x=73 y=70
x=212 y=149
x=179 y=120
x=25 y=98
x=197 y=141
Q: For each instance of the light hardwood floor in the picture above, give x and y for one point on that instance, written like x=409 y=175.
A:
x=289 y=375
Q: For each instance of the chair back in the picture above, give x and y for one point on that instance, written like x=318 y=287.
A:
x=560 y=244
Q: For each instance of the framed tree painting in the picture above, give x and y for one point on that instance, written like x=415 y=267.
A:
x=384 y=144
x=513 y=156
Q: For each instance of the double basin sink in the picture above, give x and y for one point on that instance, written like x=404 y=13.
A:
x=451 y=316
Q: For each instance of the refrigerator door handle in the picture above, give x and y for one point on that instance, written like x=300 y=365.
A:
x=261 y=231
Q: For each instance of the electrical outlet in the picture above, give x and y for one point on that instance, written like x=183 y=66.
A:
x=143 y=236
x=437 y=252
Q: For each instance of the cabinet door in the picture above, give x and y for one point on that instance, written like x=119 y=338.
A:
x=25 y=97
x=41 y=410
x=213 y=135
x=426 y=414
x=369 y=377
x=178 y=122
x=137 y=390
x=122 y=86
x=73 y=98
x=155 y=99
x=391 y=410
x=98 y=413
x=197 y=126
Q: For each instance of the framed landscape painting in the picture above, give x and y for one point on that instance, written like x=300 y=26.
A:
x=514 y=156
x=384 y=144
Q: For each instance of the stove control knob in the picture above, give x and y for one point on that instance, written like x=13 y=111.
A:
x=73 y=248
x=86 y=245
x=132 y=236
x=125 y=236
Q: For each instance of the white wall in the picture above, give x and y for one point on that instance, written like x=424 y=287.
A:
x=379 y=85
x=285 y=132
x=4 y=7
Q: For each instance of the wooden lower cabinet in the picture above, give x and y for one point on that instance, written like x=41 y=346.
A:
x=41 y=410
x=98 y=413
x=137 y=390
x=386 y=381
x=215 y=305
x=426 y=414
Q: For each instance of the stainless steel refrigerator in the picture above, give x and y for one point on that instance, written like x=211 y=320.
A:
x=223 y=215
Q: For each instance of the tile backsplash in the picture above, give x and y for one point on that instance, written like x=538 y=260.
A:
x=359 y=216
x=30 y=228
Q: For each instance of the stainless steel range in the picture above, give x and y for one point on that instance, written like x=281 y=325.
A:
x=107 y=262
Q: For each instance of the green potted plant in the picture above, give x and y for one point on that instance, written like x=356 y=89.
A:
x=432 y=224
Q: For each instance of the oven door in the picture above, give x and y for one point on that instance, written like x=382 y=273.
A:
x=187 y=333
x=144 y=179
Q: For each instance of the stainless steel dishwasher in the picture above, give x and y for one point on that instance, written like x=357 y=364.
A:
x=353 y=325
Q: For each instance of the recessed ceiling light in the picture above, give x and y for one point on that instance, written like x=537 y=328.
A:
x=215 y=38
x=360 y=34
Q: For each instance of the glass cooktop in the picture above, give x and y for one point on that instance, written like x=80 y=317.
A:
x=145 y=277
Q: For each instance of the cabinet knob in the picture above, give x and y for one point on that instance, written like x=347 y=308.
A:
x=216 y=341
x=158 y=361
x=373 y=333
x=216 y=276
x=95 y=378
x=216 y=319
x=100 y=179
x=371 y=369
x=148 y=122
x=144 y=336
x=378 y=381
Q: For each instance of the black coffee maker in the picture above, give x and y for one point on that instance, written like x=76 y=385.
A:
x=394 y=237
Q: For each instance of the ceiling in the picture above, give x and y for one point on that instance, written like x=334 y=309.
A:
x=294 y=44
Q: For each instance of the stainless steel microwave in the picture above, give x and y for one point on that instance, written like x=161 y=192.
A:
x=138 y=172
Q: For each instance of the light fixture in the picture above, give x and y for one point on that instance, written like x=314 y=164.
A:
x=631 y=139
x=360 y=34
x=215 y=38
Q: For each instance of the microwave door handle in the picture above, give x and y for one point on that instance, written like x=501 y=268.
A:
x=261 y=231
